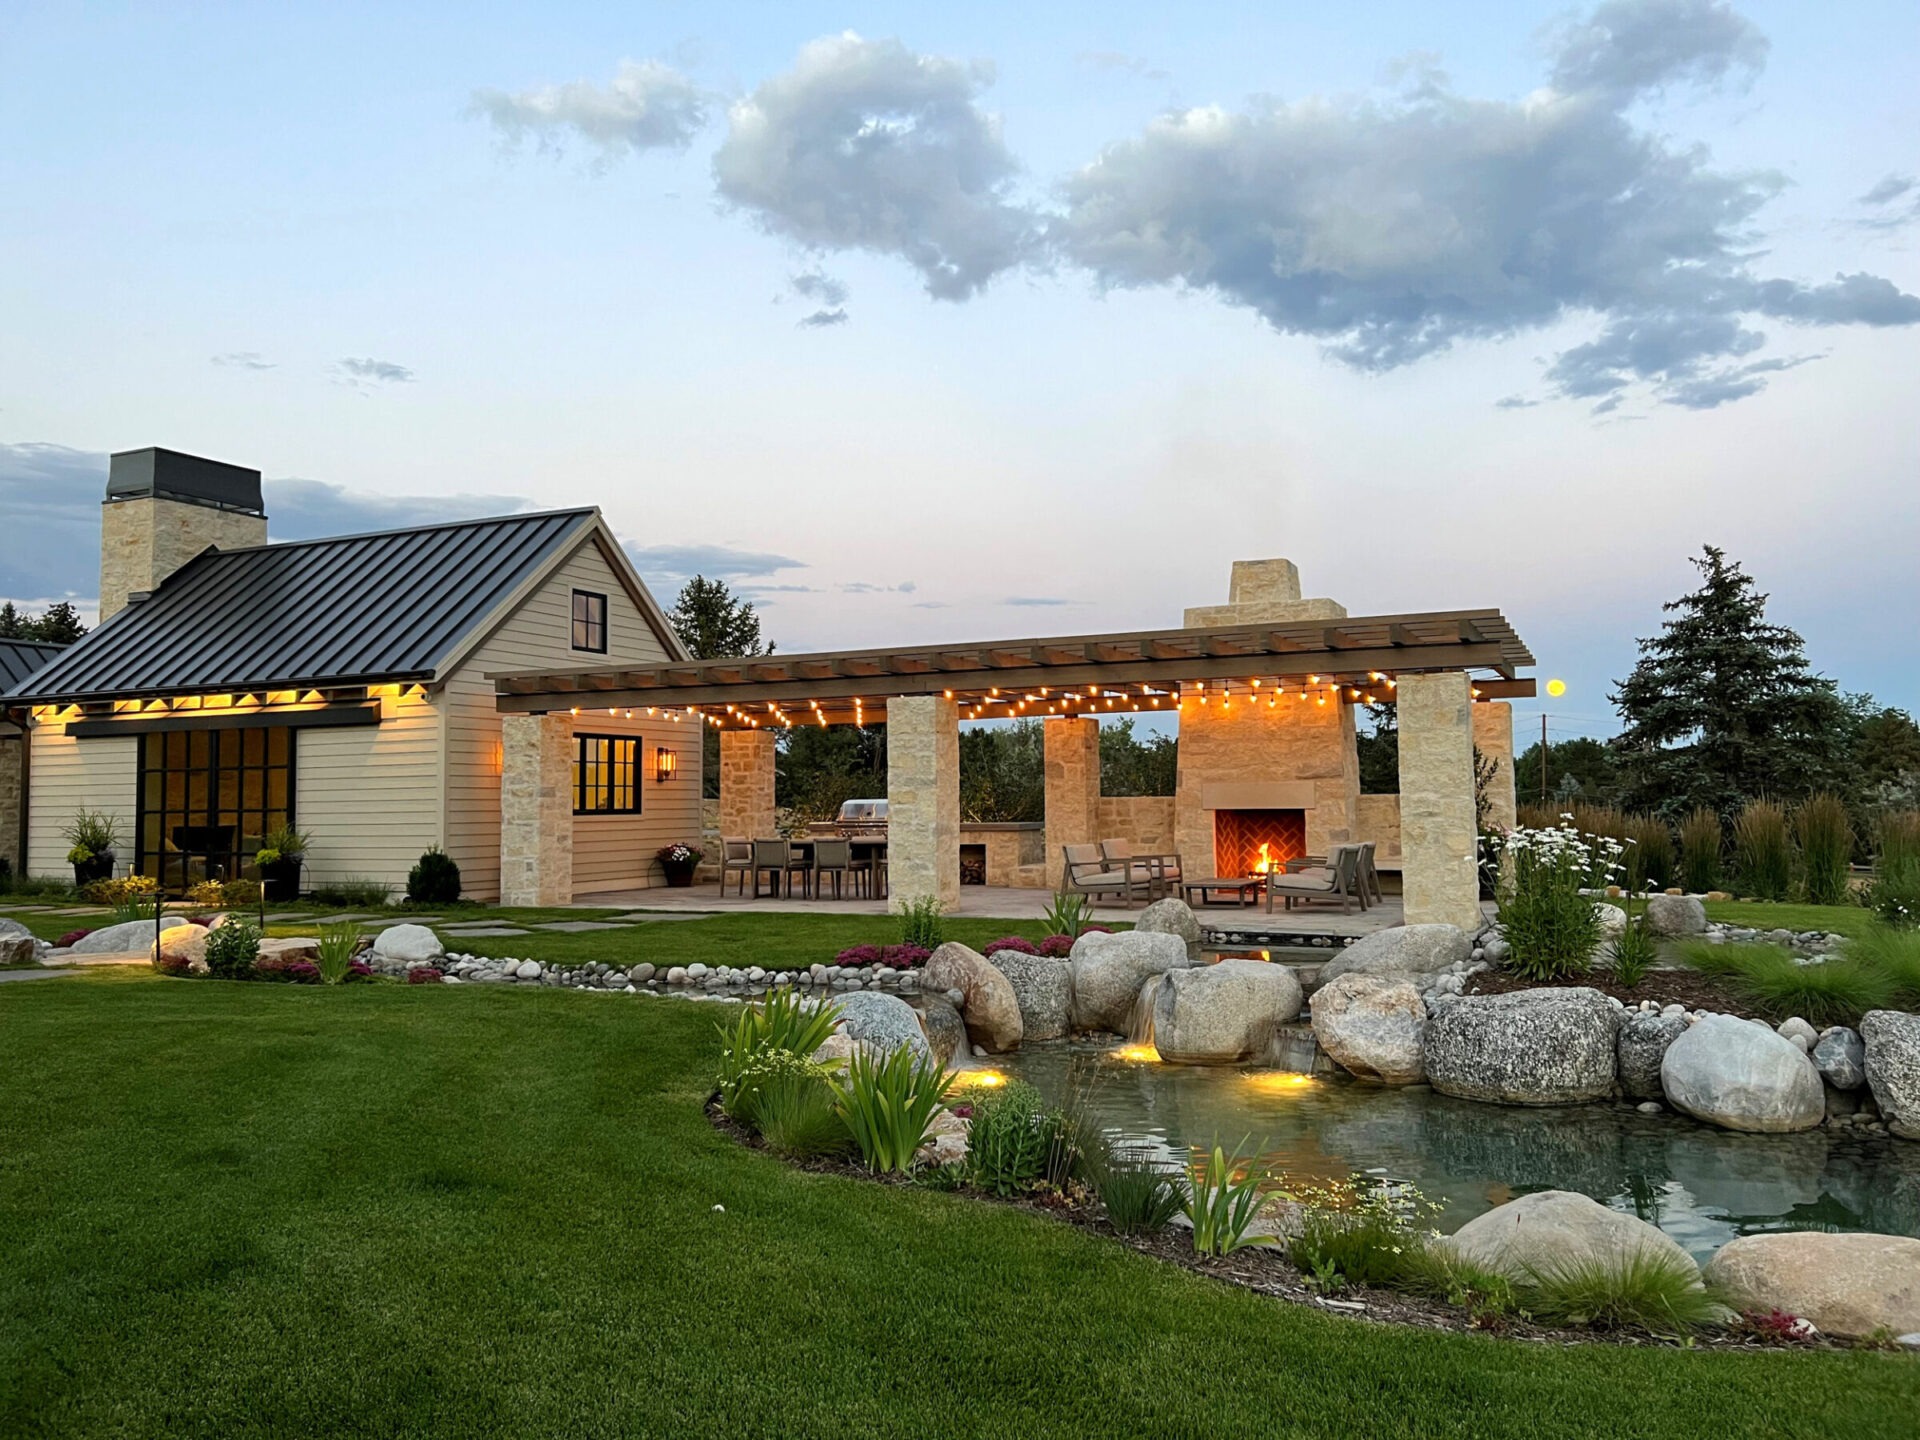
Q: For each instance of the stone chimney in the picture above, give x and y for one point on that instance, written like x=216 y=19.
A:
x=1263 y=592
x=162 y=509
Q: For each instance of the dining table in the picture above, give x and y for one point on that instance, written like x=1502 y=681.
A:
x=868 y=849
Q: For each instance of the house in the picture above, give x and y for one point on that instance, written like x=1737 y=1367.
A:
x=18 y=660
x=342 y=686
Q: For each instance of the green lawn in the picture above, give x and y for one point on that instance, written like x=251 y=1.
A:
x=1771 y=915
x=233 y=1210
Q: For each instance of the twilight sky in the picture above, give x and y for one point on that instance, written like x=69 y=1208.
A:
x=951 y=322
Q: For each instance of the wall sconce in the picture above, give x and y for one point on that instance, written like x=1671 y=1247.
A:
x=665 y=763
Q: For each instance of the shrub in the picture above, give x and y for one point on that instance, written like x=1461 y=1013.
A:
x=72 y=937
x=741 y=1100
x=1834 y=991
x=1016 y=943
x=858 y=955
x=33 y=887
x=1057 y=947
x=205 y=892
x=781 y=1022
x=358 y=972
x=88 y=834
x=1634 y=950
x=166 y=963
x=1552 y=927
x=1140 y=1194
x=1896 y=955
x=239 y=894
x=127 y=890
x=434 y=879
x=1649 y=853
x=1223 y=1200
x=1762 y=851
x=920 y=922
x=1894 y=894
x=901 y=957
x=1486 y=1295
x=423 y=975
x=232 y=950
x=1825 y=833
x=1360 y=1231
x=797 y=1117
x=351 y=892
x=338 y=943
x=1011 y=1135
x=278 y=968
x=888 y=1104
x=1700 y=842
x=1643 y=1290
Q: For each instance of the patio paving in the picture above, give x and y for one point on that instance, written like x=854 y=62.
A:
x=482 y=932
x=7 y=975
x=576 y=927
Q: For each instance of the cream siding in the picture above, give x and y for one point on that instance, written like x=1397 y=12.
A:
x=68 y=776
x=610 y=852
x=368 y=797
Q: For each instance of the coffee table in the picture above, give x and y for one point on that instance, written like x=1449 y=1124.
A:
x=1246 y=889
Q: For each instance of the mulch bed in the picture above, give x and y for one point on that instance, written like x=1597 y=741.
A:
x=1664 y=987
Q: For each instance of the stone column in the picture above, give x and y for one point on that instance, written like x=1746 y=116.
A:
x=1493 y=738
x=746 y=784
x=536 y=809
x=1437 y=836
x=1073 y=789
x=923 y=798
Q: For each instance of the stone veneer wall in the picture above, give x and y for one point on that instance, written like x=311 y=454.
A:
x=1072 y=789
x=1493 y=737
x=1146 y=820
x=1377 y=818
x=1438 y=841
x=536 y=809
x=1300 y=741
x=143 y=541
x=746 y=784
x=13 y=762
x=1016 y=852
x=923 y=798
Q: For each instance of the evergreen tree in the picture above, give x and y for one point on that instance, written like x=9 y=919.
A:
x=1577 y=768
x=1130 y=765
x=712 y=624
x=1721 y=708
x=1379 y=748
x=60 y=625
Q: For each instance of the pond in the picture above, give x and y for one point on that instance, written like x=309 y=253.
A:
x=1701 y=1185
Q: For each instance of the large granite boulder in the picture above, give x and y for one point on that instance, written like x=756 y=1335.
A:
x=1674 y=917
x=181 y=948
x=946 y=1032
x=1220 y=1014
x=1107 y=972
x=1527 y=1047
x=1643 y=1042
x=1841 y=1057
x=1402 y=950
x=1172 y=917
x=1373 y=1026
x=884 y=1022
x=18 y=949
x=1550 y=1230
x=1741 y=1075
x=290 y=948
x=987 y=1003
x=1613 y=921
x=1849 y=1285
x=9 y=926
x=407 y=944
x=135 y=937
x=1042 y=988
x=1892 y=1042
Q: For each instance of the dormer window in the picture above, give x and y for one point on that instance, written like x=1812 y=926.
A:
x=590 y=621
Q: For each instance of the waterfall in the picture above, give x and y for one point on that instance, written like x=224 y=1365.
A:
x=1140 y=1023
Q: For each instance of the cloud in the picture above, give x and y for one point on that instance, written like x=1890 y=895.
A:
x=865 y=145
x=1391 y=230
x=813 y=285
x=1515 y=402
x=822 y=318
x=1881 y=198
x=314 y=509
x=366 y=373
x=1889 y=189
x=1115 y=62
x=1028 y=600
x=648 y=106
x=868 y=587
x=679 y=563
x=243 y=360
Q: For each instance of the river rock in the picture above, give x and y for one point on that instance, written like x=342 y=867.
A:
x=1402 y=950
x=1172 y=917
x=1220 y=1014
x=1742 y=1076
x=1373 y=1027
x=1549 y=1230
x=135 y=937
x=1527 y=1047
x=1841 y=1057
x=1643 y=1042
x=946 y=1032
x=1673 y=917
x=886 y=1022
x=1107 y=972
x=407 y=944
x=1850 y=1285
x=987 y=1004
x=1043 y=989
x=1892 y=1042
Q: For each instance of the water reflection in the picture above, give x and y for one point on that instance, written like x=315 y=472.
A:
x=1700 y=1185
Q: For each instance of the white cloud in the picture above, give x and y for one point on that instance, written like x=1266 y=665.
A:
x=243 y=360
x=647 y=106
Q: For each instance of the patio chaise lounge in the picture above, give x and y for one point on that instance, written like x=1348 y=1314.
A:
x=1339 y=880
x=1087 y=873
x=1160 y=872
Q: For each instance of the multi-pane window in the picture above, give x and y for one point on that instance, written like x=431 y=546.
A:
x=606 y=775
x=208 y=798
x=589 y=621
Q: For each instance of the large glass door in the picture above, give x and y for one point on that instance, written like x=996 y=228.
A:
x=208 y=798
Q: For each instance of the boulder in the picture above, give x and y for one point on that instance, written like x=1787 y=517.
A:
x=1528 y=1047
x=1643 y=1042
x=1796 y=1029
x=1172 y=917
x=1673 y=917
x=987 y=1003
x=133 y=938
x=1741 y=1075
x=9 y=926
x=1841 y=1057
x=1402 y=950
x=1551 y=1229
x=1043 y=989
x=883 y=1021
x=17 y=949
x=1107 y=971
x=182 y=944
x=1849 y=1285
x=946 y=1032
x=291 y=948
x=407 y=944
x=1372 y=1026
x=1892 y=1042
x=1613 y=921
x=1220 y=1014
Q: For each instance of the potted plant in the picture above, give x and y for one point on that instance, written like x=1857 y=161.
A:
x=278 y=860
x=91 y=836
x=678 y=862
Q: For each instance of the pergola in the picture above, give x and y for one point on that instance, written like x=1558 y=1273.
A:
x=1432 y=665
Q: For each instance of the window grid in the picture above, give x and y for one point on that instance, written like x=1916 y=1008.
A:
x=208 y=799
x=606 y=775
x=590 y=621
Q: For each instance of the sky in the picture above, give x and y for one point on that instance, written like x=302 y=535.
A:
x=921 y=323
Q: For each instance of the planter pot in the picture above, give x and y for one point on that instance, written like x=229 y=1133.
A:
x=280 y=881
x=100 y=867
x=679 y=875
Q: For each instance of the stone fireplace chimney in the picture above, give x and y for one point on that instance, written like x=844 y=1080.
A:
x=1263 y=592
x=162 y=509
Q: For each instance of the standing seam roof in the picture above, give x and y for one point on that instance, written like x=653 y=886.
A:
x=21 y=658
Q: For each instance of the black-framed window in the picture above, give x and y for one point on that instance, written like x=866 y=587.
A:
x=606 y=775
x=590 y=621
x=208 y=799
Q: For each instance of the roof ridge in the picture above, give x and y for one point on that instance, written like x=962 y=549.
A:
x=278 y=545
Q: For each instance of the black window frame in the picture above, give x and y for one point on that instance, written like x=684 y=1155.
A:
x=584 y=627
x=165 y=753
x=607 y=783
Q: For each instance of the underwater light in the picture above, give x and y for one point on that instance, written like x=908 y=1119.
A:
x=1139 y=1054
x=1281 y=1080
x=984 y=1078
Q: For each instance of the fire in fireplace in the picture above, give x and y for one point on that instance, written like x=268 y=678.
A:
x=1252 y=842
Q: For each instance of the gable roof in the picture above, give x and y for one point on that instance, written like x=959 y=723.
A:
x=389 y=606
x=20 y=658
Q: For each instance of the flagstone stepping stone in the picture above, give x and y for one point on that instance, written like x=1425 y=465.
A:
x=576 y=927
x=485 y=932
x=387 y=922
x=341 y=919
x=648 y=916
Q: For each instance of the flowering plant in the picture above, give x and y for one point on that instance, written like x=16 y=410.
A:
x=1057 y=947
x=678 y=854
x=423 y=975
x=900 y=957
x=1552 y=927
x=1018 y=944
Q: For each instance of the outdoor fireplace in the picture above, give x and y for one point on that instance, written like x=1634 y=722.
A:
x=1253 y=842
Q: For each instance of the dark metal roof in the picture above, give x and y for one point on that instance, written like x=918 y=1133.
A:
x=20 y=658
x=359 y=609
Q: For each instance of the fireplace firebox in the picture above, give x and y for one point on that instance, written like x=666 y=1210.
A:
x=1253 y=842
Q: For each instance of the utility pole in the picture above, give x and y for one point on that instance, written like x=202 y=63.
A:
x=1543 y=757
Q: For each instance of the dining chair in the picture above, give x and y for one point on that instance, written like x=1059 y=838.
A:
x=800 y=862
x=830 y=857
x=736 y=858
x=770 y=857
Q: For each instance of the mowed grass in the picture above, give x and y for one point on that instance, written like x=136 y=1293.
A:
x=232 y=1210
x=1851 y=920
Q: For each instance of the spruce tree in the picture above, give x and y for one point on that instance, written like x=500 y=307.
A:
x=1721 y=707
x=713 y=625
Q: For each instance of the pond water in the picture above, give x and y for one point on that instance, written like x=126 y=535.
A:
x=1701 y=1185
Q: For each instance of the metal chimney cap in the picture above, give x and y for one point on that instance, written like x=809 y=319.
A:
x=190 y=479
